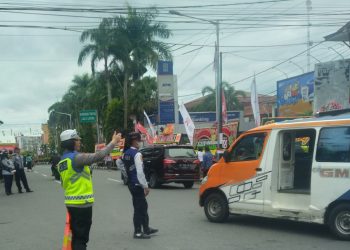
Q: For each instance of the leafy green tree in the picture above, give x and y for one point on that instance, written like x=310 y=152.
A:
x=142 y=50
x=99 y=48
x=143 y=96
x=113 y=117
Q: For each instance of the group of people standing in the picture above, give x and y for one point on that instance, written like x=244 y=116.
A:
x=12 y=165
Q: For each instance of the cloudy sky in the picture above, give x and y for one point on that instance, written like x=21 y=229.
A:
x=37 y=65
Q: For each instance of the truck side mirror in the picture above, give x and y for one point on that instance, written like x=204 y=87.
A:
x=226 y=156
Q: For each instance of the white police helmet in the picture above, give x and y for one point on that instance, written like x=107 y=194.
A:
x=69 y=134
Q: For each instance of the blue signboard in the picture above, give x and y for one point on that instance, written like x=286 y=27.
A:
x=165 y=68
x=295 y=95
x=166 y=112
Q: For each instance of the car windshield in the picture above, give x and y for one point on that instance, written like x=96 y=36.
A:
x=180 y=152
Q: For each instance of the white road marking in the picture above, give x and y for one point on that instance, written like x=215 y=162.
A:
x=44 y=175
x=36 y=172
x=110 y=179
x=58 y=182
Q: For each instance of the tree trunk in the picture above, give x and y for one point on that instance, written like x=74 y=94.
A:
x=125 y=95
x=108 y=82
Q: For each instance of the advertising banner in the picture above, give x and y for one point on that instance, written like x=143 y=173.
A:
x=207 y=137
x=189 y=125
x=332 y=86
x=295 y=95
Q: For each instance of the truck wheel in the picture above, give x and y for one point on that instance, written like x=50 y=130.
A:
x=153 y=181
x=339 y=221
x=188 y=185
x=216 y=208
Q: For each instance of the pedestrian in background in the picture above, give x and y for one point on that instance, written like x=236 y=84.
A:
x=200 y=154
x=77 y=184
x=138 y=186
x=29 y=163
x=55 y=159
x=8 y=171
x=20 y=175
x=207 y=160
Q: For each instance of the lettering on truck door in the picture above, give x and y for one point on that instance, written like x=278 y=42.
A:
x=243 y=174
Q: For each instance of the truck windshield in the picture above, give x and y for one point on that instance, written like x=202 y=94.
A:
x=180 y=152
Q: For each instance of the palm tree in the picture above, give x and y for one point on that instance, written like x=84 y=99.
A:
x=209 y=103
x=142 y=49
x=100 y=49
x=231 y=94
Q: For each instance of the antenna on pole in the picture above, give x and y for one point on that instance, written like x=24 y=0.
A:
x=309 y=42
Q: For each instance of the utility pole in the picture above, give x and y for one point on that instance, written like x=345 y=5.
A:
x=218 y=70
x=220 y=101
x=309 y=43
x=216 y=64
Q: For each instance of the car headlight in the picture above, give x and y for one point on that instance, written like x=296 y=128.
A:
x=204 y=180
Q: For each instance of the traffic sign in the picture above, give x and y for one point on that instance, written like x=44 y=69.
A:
x=88 y=116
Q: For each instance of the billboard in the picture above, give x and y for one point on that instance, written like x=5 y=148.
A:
x=295 y=95
x=166 y=111
x=167 y=93
x=207 y=137
x=332 y=86
x=165 y=68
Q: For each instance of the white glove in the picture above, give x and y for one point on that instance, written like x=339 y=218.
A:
x=13 y=171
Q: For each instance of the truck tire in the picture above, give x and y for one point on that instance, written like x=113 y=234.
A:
x=339 y=221
x=153 y=181
x=216 y=208
x=188 y=184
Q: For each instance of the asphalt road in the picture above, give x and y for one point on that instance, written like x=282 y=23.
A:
x=35 y=221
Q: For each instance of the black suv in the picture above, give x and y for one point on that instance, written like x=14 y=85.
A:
x=170 y=163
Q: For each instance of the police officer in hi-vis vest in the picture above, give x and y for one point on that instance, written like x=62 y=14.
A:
x=77 y=184
x=138 y=186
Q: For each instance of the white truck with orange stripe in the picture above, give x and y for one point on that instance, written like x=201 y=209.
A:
x=295 y=170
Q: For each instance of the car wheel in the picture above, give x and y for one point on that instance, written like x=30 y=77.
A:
x=153 y=181
x=188 y=185
x=339 y=221
x=216 y=208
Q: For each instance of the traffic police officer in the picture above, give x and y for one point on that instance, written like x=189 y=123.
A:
x=138 y=186
x=77 y=184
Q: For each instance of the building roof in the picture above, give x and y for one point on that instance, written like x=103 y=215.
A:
x=266 y=103
x=342 y=35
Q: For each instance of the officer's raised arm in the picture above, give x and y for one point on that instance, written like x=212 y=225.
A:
x=83 y=159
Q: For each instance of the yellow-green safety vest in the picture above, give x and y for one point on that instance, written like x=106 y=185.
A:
x=78 y=188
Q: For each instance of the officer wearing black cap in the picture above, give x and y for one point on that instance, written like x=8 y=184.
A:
x=138 y=186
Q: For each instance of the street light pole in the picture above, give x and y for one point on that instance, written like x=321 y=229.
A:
x=217 y=65
x=69 y=115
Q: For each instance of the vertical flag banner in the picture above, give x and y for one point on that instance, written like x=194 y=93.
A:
x=255 y=103
x=150 y=124
x=224 y=108
x=189 y=125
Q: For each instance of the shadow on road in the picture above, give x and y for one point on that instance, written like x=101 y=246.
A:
x=293 y=227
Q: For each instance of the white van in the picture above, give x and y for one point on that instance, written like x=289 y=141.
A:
x=296 y=170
